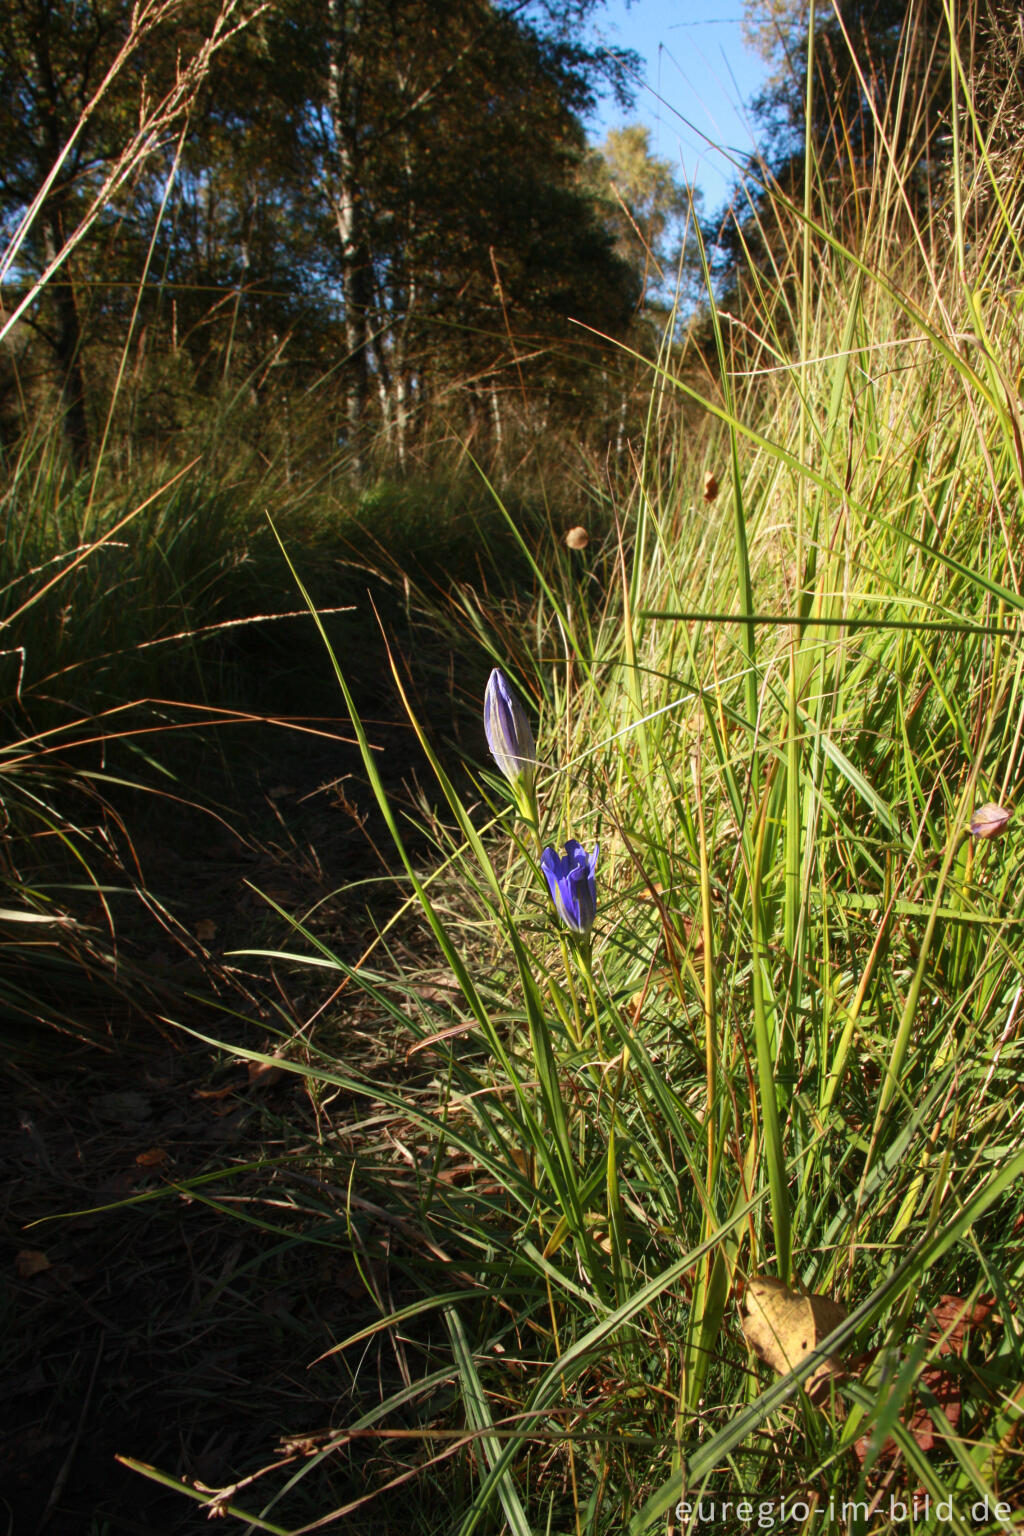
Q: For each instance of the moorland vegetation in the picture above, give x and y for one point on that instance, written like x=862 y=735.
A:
x=378 y=1165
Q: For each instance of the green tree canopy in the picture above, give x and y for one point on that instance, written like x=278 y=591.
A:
x=648 y=209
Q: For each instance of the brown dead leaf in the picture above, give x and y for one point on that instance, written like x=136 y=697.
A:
x=442 y=1034
x=952 y=1318
x=692 y=935
x=676 y=925
x=945 y=1389
x=523 y=1161
x=226 y=1110
x=783 y=1327
x=153 y=1157
x=206 y=929
x=29 y=1262
x=262 y=1074
x=658 y=984
x=212 y=1094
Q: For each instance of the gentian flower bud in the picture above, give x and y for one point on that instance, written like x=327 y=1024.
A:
x=511 y=741
x=572 y=885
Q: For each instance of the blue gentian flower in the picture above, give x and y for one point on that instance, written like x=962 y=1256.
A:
x=572 y=884
x=511 y=740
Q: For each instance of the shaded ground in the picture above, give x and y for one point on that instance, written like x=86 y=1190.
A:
x=179 y=1331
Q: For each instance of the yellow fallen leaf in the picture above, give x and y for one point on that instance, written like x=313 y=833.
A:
x=783 y=1327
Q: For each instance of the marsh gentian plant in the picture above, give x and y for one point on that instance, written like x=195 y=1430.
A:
x=511 y=742
x=571 y=881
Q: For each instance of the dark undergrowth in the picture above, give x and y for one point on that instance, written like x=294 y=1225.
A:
x=178 y=784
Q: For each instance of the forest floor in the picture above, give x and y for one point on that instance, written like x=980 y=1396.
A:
x=179 y=1330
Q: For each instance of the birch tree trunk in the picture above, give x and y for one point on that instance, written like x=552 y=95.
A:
x=344 y=20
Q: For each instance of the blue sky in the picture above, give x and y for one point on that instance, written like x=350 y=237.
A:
x=697 y=77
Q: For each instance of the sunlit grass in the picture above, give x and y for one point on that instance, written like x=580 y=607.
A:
x=796 y=1052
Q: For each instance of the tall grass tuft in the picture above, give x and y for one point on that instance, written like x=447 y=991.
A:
x=792 y=1048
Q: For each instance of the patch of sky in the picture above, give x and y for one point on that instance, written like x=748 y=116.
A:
x=698 y=77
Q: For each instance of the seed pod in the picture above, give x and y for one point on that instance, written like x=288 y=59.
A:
x=990 y=820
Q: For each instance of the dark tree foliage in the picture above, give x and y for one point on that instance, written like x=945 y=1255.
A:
x=388 y=191
x=882 y=94
x=862 y=47
x=89 y=92
x=881 y=89
x=52 y=59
